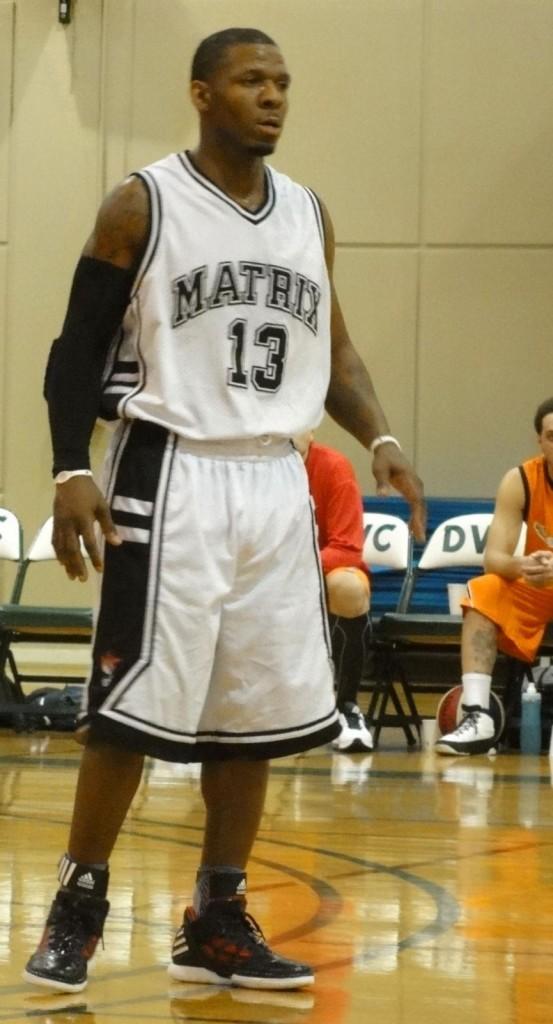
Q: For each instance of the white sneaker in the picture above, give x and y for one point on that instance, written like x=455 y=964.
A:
x=475 y=733
x=354 y=735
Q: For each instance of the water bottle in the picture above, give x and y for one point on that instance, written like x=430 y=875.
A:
x=530 y=720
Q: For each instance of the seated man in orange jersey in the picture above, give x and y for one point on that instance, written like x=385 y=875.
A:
x=339 y=515
x=509 y=607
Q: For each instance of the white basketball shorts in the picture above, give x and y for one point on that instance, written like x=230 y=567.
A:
x=211 y=637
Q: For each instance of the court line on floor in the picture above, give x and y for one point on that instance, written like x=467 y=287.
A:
x=447 y=908
x=376 y=774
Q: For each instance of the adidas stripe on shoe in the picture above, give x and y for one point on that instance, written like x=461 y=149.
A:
x=226 y=945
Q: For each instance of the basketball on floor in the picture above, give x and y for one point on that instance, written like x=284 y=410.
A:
x=450 y=712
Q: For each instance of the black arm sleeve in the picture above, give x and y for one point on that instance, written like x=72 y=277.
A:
x=99 y=296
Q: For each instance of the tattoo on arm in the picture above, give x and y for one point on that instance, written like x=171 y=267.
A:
x=122 y=226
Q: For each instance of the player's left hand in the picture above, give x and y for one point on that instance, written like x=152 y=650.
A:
x=392 y=469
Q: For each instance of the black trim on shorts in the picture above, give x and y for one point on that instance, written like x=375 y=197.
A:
x=141 y=742
x=125 y=597
x=132 y=519
x=322 y=585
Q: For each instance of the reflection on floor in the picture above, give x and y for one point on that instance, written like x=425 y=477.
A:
x=420 y=888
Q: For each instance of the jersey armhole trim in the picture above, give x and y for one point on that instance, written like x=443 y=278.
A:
x=318 y=214
x=155 y=210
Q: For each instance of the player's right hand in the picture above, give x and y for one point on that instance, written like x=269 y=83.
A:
x=537 y=569
x=78 y=505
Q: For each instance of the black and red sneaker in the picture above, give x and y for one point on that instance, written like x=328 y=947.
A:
x=225 y=944
x=73 y=928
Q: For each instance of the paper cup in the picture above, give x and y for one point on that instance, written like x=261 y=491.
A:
x=429 y=733
x=455 y=593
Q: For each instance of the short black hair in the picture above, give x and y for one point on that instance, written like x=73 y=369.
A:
x=542 y=411
x=211 y=51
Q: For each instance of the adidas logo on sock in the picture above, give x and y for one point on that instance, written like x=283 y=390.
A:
x=85 y=881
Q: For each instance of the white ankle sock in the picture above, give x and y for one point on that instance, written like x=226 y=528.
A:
x=476 y=689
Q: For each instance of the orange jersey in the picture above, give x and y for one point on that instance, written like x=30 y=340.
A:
x=538 y=506
x=520 y=611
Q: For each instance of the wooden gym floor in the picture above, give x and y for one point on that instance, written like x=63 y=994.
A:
x=420 y=887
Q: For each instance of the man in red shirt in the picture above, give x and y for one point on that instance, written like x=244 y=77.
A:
x=339 y=516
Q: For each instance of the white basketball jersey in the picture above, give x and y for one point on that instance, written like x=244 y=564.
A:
x=227 y=334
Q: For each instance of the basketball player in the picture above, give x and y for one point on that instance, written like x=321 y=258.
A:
x=508 y=607
x=203 y=321
x=339 y=515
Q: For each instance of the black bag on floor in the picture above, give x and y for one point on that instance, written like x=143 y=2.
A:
x=53 y=708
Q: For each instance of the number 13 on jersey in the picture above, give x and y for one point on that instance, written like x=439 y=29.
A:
x=273 y=338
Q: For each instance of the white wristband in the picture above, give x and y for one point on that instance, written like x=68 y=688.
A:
x=383 y=439
x=66 y=474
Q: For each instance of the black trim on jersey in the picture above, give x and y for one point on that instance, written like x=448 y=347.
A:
x=123 y=402
x=109 y=403
x=254 y=216
x=113 y=404
x=526 y=508
x=154 y=232
x=125 y=365
x=318 y=214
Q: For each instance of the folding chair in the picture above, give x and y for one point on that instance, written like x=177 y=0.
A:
x=389 y=547
x=38 y=623
x=456 y=543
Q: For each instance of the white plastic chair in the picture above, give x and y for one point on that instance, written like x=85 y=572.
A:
x=11 y=550
x=39 y=623
x=42 y=549
x=461 y=541
x=387 y=541
x=11 y=536
x=389 y=545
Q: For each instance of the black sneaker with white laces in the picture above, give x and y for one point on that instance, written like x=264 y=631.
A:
x=475 y=733
x=73 y=928
x=225 y=945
